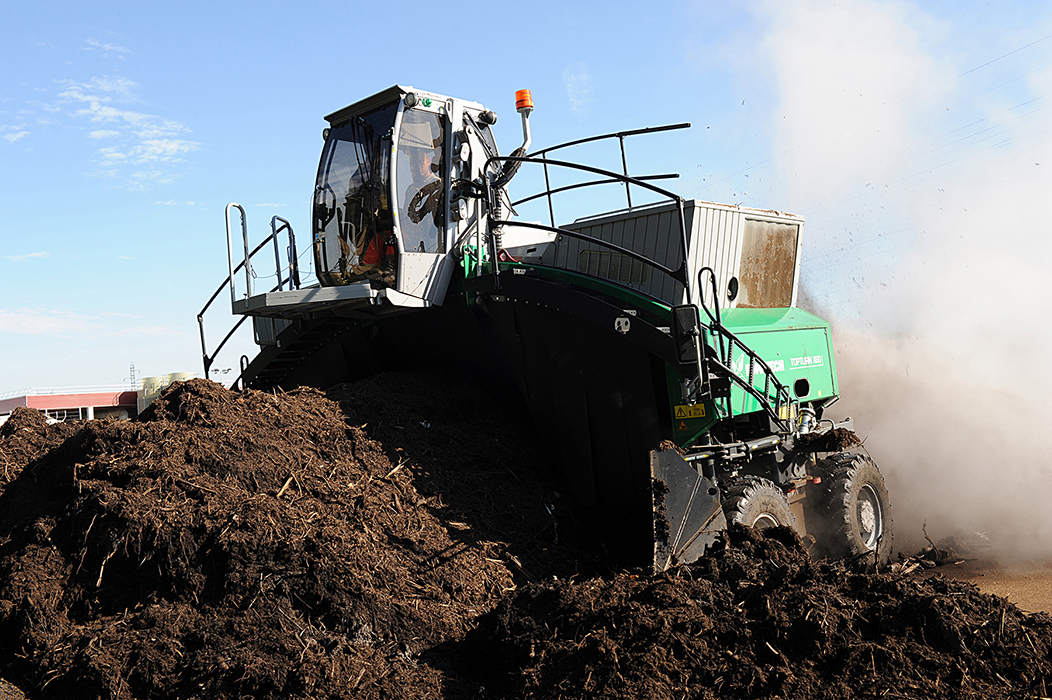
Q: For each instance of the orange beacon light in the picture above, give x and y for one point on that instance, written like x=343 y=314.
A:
x=523 y=100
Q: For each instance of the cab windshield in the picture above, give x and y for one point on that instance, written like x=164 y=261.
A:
x=353 y=222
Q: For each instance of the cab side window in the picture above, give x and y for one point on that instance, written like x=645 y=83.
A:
x=420 y=186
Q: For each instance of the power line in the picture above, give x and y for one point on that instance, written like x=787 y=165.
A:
x=746 y=169
x=980 y=121
x=1038 y=41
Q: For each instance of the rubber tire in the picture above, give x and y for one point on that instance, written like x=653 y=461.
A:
x=757 y=502
x=855 y=486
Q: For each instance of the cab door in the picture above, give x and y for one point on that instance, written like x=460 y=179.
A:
x=421 y=187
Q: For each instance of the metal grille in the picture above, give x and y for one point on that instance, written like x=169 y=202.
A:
x=613 y=266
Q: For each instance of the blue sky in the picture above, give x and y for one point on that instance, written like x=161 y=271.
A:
x=908 y=134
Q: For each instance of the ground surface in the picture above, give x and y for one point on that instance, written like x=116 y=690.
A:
x=1027 y=585
x=395 y=538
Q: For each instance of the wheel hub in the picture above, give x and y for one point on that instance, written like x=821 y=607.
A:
x=870 y=517
x=866 y=516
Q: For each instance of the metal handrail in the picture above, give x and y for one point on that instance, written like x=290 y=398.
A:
x=725 y=358
x=616 y=134
x=235 y=270
x=209 y=359
x=589 y=183
x=294 y=263
x=293 y=278
x=230 y=251
x=680 y=275
x=780 y=396
x=620 y=136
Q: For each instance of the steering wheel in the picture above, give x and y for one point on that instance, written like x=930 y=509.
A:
x=425 y=201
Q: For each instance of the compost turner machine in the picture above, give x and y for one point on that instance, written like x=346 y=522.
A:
x=659 y=347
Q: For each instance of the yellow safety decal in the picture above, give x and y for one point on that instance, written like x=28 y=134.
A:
x=695 y=411
x=682 y=425
x=783 y=413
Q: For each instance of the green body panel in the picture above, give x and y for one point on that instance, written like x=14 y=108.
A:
x=796 y=345
x=688 y=422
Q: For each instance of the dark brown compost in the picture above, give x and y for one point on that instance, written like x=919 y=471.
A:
x=401 y=537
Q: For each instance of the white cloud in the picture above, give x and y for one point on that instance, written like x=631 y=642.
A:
x=45 y=322
x=62 y=323
x=103 y=113
x=143 y=179
x=143 y=139
x=27 y=256
x=11 y=138
x=116 y=48
x=112 y=155
x=578 y=83
x=270 y=205
x=139 y=331
x=162 y=150
x=152 y=130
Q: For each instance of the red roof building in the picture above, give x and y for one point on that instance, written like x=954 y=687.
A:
x=71 y=403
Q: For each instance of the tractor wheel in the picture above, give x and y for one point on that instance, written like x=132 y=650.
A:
x=857 y=508
x=758 y=503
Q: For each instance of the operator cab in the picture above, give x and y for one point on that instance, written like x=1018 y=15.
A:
x=381 y=211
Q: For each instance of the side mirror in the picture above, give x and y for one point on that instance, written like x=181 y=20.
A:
x=686 y=331
x=732 y=289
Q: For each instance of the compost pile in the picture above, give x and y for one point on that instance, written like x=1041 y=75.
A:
x=759 y=618
x=25 y=436
x=395 y=538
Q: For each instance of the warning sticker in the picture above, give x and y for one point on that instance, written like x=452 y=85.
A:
x=695 y=411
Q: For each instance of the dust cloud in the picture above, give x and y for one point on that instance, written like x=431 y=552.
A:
x=922 y=162
x=966 y=456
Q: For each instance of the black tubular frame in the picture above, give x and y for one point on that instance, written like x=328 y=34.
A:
x=620 y=136
x=576 y=185
x=293 y=280
x=680 y=275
